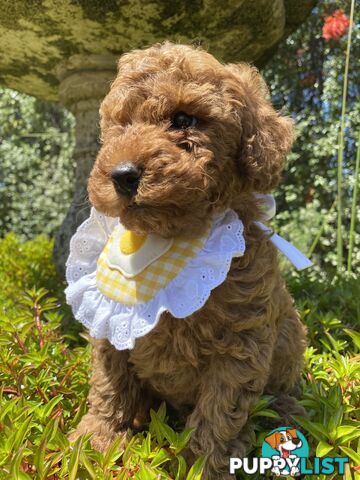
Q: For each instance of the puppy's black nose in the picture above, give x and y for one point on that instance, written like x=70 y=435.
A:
x=126 y=178
x=296 y=441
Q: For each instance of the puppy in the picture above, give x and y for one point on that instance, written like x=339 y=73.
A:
x=198 y=137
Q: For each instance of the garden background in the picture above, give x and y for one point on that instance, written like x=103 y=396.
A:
x=44 y=355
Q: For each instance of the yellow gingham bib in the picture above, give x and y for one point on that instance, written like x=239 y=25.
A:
x=120 y=283
x=135 y=275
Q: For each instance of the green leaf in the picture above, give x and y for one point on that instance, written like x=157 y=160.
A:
x=315 y=429
x=145 y=472
x=146 y=447
x=161 y=413
x=355 y=336
x=23 y=476
x=11 y=404
x=169 y=434
x=161 y=457
x=60 y=440
x=15 y=464
x=75 y=457
x=84 y=459
x=114 y=452
x=323 y=448
x=348 y=438
x=183 y=438
x=349 y=452
x=21 y=433
x=123 y=475
x=39 y=457
x=79 y=414
x=347 y=430
x=266 y=413
x=181 y=469
x=196 y=470
x=128 y=451
x=45 y=412
x=155 y=427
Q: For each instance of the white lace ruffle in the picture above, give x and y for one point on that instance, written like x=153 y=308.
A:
x=122 y=324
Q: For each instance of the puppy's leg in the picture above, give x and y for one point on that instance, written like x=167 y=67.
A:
x=287 y=362
x=229 y=388
x=113 y=399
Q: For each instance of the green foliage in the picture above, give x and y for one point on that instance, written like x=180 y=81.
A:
x=306 y=80
x=44 y=383
x=24 y=265
x=43 y=394
x=36 y=142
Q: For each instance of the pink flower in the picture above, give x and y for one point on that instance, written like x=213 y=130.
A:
x=335 y=25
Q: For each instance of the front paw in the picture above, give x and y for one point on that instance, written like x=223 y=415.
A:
x=102 y=433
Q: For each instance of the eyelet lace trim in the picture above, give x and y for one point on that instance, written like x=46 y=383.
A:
x=122 y=324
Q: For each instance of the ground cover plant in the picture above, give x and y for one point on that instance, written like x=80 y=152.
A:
x=44 y=371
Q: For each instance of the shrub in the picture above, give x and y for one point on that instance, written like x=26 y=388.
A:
x=24 y=265
x=37 y=168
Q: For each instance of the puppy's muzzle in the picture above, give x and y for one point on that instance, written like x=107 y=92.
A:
x=126 y=179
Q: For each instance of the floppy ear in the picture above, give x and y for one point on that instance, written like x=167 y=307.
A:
x=273 y=440
x=292 y=432
x=266 y=136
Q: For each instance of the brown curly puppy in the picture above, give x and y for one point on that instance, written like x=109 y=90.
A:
x=195 y=137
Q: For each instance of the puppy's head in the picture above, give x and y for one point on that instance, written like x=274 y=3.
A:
x=184 y=137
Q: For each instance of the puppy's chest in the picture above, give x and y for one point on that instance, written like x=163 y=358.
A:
x=168 y=361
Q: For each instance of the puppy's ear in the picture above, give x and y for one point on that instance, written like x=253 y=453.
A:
x=265 y=136
x=292 y=432
x=273 y=440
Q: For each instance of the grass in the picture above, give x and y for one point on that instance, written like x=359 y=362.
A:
x=44 y=381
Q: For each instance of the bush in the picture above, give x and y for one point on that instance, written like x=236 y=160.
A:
x=24 y=265
x=44 y=382
x=37 y=168
x=306 y=80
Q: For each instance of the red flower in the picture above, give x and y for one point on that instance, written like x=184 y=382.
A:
x=335 y=25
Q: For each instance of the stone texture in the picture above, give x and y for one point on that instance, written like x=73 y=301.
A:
x=66 y=51
x=38 y=36
x=82 y=85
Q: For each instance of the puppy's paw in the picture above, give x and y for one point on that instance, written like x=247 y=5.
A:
x=100 y=442
x=102 y=433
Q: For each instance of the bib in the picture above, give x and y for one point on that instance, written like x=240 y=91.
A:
x=120 y=282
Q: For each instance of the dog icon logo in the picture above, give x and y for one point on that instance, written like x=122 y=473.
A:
x=285 y=446
x=285 y=452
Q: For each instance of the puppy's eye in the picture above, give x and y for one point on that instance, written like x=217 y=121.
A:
x=183 y=120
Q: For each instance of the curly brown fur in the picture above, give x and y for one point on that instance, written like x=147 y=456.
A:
x=247 y=339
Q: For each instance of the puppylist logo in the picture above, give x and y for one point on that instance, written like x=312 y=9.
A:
x=284 y=452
